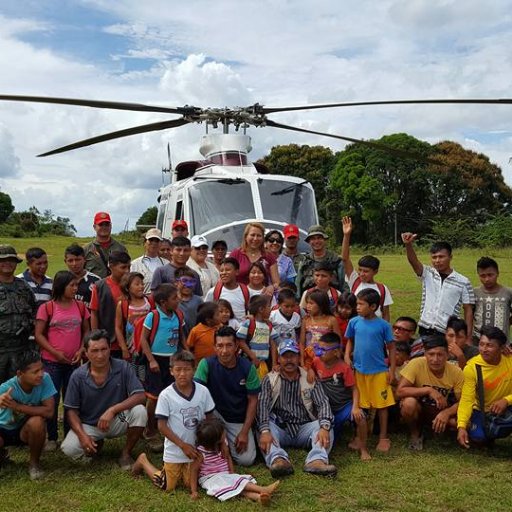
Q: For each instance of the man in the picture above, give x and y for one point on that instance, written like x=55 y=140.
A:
x=234 y=385
x=151 y=260
x=26 y=402
x=98 y=251
x=429 y=390
x=291 y=241
x=404 y=329
x=180 y=253
x=444 y=289
x=317 y=239
x=74 y=258
x=104 y=399
x=17 y=312
x=35 y=275
x=293 y=412
x=496 y=371
x=179 y=228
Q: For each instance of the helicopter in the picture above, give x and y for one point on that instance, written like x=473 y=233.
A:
x=219 y=195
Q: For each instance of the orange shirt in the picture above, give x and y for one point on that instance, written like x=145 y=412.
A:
x=201 y=340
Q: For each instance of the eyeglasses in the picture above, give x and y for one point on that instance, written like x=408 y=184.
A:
x=401 y=329
x=274 y=241
x=320 y=351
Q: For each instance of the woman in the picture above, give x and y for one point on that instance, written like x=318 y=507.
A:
x=252 y=249
x=274 y=241
x=219 y=251
x=165 y=250
x=208 y=273
x=151 y=260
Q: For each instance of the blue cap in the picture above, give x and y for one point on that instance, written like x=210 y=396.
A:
x=288 y=346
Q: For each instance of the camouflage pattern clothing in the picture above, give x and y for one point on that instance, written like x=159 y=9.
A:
x=96 y=256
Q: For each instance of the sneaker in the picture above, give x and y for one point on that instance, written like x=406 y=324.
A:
x=281 y=467
x=319 y=467
x=35 y=472
x=50 y=446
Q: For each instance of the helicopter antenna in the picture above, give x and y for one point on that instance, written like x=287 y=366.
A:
x=167 y=170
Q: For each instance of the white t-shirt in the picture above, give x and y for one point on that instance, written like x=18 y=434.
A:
x=253 y=292
x=183 y=414
x=373 y=286
x=284 y=327
x=234 y=297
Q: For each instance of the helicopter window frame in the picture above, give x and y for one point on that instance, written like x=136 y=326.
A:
x=179 y=209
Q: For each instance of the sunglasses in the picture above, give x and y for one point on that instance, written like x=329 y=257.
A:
x=189 y=282
x=401 y=329
x=320 y=351
x=274 y=241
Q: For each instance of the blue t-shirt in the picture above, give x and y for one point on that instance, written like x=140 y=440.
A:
x=167 y=335
x=10 y=420
x=370 y=338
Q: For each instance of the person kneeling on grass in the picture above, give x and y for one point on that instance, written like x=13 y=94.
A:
x=429 y=390
x=213 y=469
x=104 y=400
x=179 y=409
x=26 y=402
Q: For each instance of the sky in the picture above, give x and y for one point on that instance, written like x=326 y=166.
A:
x=235 y=53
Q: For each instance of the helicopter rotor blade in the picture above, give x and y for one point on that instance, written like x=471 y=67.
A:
x=475 y=101
x=173 y=123
x=116 y=105
x=376 y=145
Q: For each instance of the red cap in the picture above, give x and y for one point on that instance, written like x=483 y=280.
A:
x=102 y=217
x=291 y=230
x=179 y=223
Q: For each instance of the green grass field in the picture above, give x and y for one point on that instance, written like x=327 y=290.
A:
x=442 y=477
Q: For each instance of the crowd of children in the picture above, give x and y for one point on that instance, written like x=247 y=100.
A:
x=345 y=339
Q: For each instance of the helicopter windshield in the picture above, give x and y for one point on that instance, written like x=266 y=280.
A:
x=291 y=203
x=214 y=203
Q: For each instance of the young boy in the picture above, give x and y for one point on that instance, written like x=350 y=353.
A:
x=35 y=275
x=337 y=380
x=368 y=336
x=368 y=267
x=285 y=319
x=26 y=402
x=258 y=338
x=105 y=296
x=168 y=339
x=180 y=408
x=185 y=282
x=493 y=301
x=402 y=357
x=322 y=277
x=228 y=288
x=74 y=258
x=460 y=351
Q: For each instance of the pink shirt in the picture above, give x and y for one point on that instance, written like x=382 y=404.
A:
x=65 y=330
x=243 y=275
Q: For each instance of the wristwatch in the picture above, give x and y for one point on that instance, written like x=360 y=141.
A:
x=326 y=427
x=265 y=431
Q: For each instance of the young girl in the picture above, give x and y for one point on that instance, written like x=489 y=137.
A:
x=61 y=325
x=257 y=279
x=319 y=321
x=226 y=315
x=345 y=310
x=133 y=306
x=201 y=339
x=214 y=471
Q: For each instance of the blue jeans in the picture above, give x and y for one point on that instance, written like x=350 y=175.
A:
x=305 y=438
x=60 y=374
x=341 y=417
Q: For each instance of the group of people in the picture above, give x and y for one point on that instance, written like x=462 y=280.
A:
x=208 y=359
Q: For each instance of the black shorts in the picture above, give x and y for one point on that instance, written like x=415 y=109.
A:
x=11 y=437
x=156 y=382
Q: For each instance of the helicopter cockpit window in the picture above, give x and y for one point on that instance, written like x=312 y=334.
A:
x=216 y=203
x=287 y=202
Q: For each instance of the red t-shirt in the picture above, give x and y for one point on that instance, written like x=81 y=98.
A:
x=243 y=275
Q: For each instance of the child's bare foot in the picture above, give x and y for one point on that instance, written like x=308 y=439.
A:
x=270 y=489
x=354 y=444
x=265 y=499
x=365 y=455
x=138 y=465
x=383 y=445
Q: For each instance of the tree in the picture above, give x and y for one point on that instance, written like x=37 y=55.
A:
x=148 y=218
x=312 y=163
x=6 y=206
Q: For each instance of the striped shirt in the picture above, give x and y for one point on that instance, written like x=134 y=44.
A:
x=289 y=412
x=441 y=299
x=261 y=339
x=213 y=463
x=43 y=291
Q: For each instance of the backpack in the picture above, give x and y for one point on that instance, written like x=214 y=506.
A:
x=380 y=286
x=252 y=328
x=245 y=292
x=334 y=294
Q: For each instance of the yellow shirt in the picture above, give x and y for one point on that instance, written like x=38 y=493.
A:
x=497 y=385
x=416 y=371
